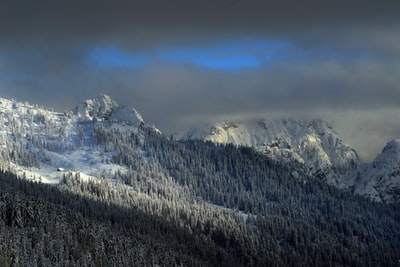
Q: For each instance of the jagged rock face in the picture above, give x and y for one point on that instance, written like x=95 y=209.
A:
x=98 y=108
x=104 y=108
x=312 y=143
x=381 y=179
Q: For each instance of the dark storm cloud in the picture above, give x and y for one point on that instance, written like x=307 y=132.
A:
x=156 y=20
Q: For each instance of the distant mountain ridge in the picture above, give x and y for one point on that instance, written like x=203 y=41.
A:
x=316 y=146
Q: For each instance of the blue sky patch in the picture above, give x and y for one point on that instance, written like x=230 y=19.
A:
x=234 y=55
x=224 y=56
x=228 y=56
x=109 y=57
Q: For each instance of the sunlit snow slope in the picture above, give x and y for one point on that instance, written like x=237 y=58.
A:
x=43 y=145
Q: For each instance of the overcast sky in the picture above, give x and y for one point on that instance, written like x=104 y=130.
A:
x=179 y=62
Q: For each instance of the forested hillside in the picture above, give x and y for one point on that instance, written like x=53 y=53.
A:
x=191 y=203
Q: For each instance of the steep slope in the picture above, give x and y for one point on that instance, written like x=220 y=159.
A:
x=381 y=179
x=312 y=143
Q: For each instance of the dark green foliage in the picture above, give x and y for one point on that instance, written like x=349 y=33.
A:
x=41 y=226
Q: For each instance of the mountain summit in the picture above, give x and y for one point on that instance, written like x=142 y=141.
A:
x=98 y=108
x=104 y=108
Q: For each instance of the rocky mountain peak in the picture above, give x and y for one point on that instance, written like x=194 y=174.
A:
x=390 y=155
x=381 y=179
x=98 y=108
x=104 y=107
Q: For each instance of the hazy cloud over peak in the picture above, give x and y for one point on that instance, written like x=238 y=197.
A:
x=178 y=61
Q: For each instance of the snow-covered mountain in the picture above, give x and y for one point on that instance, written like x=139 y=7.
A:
x=381 y=179
x=44 y=145
x=41 y=144
x=312 y=143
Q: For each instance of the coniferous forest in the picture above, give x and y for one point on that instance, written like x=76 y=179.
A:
x=191 y=203
x=199 y=133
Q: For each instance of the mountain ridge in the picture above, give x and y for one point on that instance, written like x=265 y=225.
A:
x=36 y=142
x=317 y=146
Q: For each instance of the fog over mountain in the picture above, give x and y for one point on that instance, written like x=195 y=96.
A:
x=183 y=62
